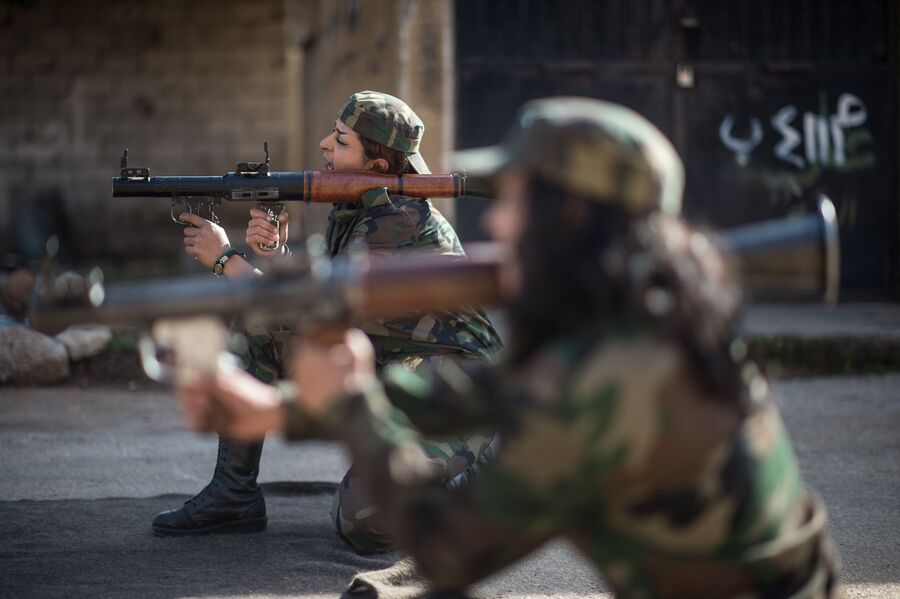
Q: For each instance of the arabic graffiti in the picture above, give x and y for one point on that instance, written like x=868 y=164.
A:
x=838 y=141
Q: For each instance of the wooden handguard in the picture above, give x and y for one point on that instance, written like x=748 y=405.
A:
x=338 y=186
x=432 y=283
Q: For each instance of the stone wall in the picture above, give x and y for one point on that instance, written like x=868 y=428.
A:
x=188 y=87
x=402 y=47
x=191 y=87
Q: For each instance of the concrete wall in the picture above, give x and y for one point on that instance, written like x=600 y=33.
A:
x=192 y=87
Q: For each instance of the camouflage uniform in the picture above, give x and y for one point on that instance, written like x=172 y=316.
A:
x=265 y=356
x=609 y=440
x=669 y=492
x=386 y=224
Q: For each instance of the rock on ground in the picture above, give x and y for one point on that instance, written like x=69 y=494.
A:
x=29 y=357
x=84 y=341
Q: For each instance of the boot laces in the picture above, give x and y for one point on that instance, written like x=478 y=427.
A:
x=207 y=491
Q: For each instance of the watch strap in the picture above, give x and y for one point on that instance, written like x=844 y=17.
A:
x=219 y=264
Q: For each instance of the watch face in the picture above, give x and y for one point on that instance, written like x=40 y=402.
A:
x=218 y=268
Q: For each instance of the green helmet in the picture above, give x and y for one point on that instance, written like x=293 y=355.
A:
x=598 y=150
x=388 y=121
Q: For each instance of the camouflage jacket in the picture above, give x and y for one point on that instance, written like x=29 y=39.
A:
x=610 y=443
x=387 y=224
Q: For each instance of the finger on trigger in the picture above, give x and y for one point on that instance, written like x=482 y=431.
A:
x=261 y=239
x=267 y=232
x=193 y=219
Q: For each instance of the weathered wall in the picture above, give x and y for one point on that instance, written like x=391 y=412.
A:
x=192 y=87
x=188 y=87
x=402 y=47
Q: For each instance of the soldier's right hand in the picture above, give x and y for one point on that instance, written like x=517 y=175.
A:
x=250 y=408
x=325 y=372
x=196 y=399
x=261 y=231
x=204 y=241
x=230 y=402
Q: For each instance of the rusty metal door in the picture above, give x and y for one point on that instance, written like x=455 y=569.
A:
x=769 y=102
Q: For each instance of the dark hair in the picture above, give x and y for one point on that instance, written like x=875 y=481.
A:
x=587 y=265
x=398 y=164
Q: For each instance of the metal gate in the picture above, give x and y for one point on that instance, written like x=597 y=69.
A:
x=768 y=102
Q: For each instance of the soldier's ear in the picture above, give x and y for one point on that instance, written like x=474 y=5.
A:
x=381 y=165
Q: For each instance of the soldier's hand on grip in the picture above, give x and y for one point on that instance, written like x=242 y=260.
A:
x=249 y=407
x=204 y=241
x=326 y=372
x=196 y=403
x=260 y=230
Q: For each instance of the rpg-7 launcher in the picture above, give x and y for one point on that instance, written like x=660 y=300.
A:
x=188 y=314
x=253 y=182
x=795 y=256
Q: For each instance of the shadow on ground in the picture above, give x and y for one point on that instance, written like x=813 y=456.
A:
x=104 y=548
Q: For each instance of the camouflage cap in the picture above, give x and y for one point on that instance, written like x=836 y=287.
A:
x=597 y=149
x=388 y=121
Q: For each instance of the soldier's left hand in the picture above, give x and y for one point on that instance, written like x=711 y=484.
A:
x=261 y=231
x=204 y=241
x=326 y=372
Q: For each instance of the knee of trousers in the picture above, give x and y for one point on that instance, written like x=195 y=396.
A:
x=357 y=519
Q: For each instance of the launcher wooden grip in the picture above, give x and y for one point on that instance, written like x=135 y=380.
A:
x=338 y=186
x=433 y=283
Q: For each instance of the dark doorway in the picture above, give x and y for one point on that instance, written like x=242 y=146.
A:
x=768 y=102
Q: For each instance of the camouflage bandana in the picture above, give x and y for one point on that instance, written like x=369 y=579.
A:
x=598 y=150
x=388 y=121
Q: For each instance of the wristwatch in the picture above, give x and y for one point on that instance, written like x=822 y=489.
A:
x=219 y=264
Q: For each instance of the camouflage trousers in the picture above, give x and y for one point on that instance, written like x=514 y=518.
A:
x=265 y=354
x=357 y=518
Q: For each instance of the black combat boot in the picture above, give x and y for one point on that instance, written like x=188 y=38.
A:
x=231 y=502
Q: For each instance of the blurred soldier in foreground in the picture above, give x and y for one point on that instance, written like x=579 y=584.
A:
x=378 y=132
x=631 y=422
